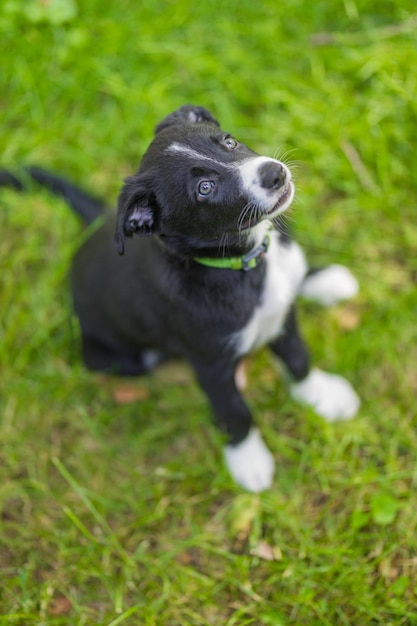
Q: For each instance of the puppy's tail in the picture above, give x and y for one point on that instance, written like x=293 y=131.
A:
x=86 y=206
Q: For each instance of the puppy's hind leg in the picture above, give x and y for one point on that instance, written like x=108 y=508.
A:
x=329 y=395
x=329 y=285
x=102 y=356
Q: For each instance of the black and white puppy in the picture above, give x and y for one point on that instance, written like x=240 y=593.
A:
x=209 y=279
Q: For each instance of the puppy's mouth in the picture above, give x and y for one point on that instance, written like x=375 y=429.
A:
x=286 y=194
x=285 y=198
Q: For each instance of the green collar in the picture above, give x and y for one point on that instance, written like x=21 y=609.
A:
x=245 y=263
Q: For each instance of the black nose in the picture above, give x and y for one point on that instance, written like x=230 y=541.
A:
x=272 y=175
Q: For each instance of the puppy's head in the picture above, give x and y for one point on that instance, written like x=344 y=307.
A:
x=197 y=183
x=187 y=114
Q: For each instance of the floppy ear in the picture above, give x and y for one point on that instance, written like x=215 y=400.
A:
x=135 y=215
x=187 y=114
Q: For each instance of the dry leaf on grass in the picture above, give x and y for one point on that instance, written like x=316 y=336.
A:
x=348 y=317
x=59 y=606
x=265 y=551
x=128 y=394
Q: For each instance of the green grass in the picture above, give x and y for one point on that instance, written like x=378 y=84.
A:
x=123 y=513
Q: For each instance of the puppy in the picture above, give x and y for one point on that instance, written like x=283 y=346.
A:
x=210 y=278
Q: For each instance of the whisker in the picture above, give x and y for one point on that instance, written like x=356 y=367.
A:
x=249 y=212
x=294 y=165
x=223 y=244
x=282 y=225
x=246 y=209
x=284 y=156
x=258 y=214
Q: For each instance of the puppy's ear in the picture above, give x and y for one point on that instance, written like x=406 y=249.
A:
x=135 y=215
x=187 y=114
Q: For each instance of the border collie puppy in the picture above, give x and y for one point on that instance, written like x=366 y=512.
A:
x=209 y=278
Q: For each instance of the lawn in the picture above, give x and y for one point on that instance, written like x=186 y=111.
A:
x=115 y=506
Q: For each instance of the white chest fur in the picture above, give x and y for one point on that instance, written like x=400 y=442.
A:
x=286 y=268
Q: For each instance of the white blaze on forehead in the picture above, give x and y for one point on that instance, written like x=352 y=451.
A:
x=178 y=148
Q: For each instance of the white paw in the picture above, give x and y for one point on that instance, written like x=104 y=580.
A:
x=250 y=462
x=330 y=285
x=331 y=396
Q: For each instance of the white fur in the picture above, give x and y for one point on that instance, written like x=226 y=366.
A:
x=286 y=267
x=193 y=154
x=250 y=462
x=266 y=199
x=331 y=396
x=330 y=285
x=257 y=234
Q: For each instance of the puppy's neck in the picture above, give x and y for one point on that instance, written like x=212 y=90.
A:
x=230 y=245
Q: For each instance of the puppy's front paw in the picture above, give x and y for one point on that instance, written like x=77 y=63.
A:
x=331 y=396
x=250 y=462
x=330 y=285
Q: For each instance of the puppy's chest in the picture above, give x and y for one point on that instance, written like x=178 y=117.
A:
x=286 y=267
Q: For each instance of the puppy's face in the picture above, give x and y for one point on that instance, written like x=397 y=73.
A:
x=198 y=182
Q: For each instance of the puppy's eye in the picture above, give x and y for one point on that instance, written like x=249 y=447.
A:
x=205 y=188
x=230 y=143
